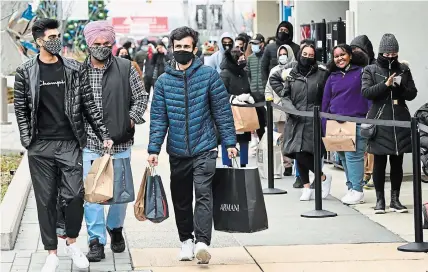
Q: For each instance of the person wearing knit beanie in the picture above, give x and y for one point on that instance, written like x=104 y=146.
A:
x=388 y=44
x=388 y=84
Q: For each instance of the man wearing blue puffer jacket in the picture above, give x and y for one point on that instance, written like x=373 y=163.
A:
x=189 y=100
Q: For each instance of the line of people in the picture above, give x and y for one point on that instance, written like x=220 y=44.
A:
x=356 y=85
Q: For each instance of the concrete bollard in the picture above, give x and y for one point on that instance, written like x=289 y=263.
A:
x=3 y=103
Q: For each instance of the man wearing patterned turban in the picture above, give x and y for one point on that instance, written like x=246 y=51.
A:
x=119 y=93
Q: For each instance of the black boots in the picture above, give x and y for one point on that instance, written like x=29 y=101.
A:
x=117 y=240
x=96 y=251
x=395 y=205
x=380 y=203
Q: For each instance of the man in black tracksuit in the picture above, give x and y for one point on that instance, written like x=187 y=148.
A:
x=284 y=35
x=52 y=94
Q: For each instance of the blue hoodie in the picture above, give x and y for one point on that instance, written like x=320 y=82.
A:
x=215 y=60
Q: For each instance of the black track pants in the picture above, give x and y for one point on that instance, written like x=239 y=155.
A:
x=57 y=174
x=186 y=174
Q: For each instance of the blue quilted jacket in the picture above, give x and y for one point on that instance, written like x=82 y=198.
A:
x=188 y=104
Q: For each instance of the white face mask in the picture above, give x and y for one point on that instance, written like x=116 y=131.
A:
x=255 y=48
x=282 y=59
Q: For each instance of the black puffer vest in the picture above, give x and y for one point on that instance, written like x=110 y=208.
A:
x=117 y=95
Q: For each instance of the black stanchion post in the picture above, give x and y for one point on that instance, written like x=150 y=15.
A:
x=318 y=212
x=271 y=190
x=419 y=245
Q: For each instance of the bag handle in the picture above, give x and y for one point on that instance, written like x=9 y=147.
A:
x=234 y=160
x=153 y=171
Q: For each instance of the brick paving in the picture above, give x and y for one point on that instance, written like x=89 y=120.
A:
x=29 y=255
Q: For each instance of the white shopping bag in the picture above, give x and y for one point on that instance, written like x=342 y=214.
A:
x=262 y=157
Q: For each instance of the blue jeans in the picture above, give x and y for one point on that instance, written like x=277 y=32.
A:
x=353 y=163
x=94 y=213
x=243 y=154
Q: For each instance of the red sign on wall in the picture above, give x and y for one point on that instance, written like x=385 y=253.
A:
x=140 y=25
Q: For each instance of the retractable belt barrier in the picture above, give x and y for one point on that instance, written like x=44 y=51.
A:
x=270 y=190
x=419 y=245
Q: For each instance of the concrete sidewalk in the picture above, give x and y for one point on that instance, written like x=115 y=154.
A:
x=352 y=241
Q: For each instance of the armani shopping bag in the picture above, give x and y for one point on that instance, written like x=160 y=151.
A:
x=156 y=205
x=99 y=181
x=139 y=203
x=123 y=183
x=239 y=205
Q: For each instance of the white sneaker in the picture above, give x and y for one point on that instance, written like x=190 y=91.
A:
x=306 y=194
x=326 y=186
x=353 y=198
x=346 y=196
x=202 y=253
x=51 y=263
x=187 y=251
x=79 y=259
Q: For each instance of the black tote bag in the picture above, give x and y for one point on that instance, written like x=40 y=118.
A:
x=156 y=204
x=239 y=205
x=123 y=185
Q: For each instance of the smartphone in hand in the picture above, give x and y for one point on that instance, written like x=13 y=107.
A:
x=397 y=80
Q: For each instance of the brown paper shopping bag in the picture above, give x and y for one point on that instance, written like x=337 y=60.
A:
x=139 y=203
x=99 y=181
x=246 y=119
x=340 y=137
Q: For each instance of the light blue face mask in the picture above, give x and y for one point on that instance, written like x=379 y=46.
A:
x=255 y=48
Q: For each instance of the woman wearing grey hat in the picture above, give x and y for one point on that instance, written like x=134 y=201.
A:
x=389 y=84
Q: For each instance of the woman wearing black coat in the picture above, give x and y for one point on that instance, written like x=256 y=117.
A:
x=236 y=81
x=301 y=85
x=389 y=84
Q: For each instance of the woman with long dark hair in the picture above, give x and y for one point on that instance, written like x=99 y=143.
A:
x=301 y=88
x=342 y=95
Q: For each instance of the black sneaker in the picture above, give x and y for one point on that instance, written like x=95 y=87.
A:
x=96 y=251
x=288 y=171
x=298 y=183
x=117 y=241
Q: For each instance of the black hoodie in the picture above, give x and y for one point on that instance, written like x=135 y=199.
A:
x=366 y=45
x=269 y=59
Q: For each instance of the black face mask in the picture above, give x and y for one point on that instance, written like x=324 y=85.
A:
x=227 y=46
x=388 y=62
x=125 y=57
x=183 y=57
x=307 y=62
x=360 y=58
x=282 y=36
